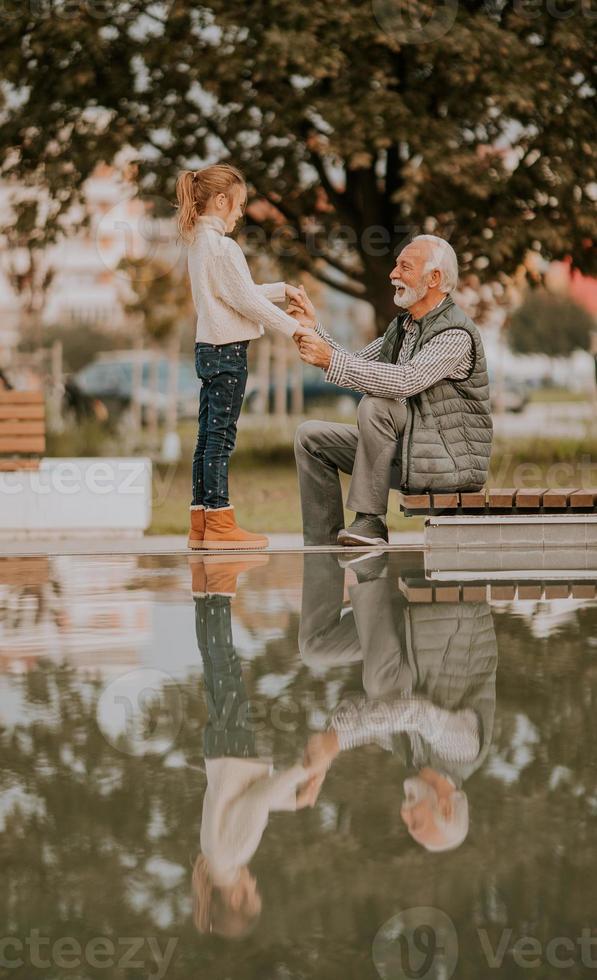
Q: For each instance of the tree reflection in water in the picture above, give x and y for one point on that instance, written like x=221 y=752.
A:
x=100 y=842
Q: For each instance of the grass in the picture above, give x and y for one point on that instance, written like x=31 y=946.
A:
x=263 y=480
x=263 y=486
x=542 y=396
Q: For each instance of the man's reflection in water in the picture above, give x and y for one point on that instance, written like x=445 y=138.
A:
x=429 y=681
x=242 y=788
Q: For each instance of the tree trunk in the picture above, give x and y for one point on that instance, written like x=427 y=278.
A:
x=379 y=290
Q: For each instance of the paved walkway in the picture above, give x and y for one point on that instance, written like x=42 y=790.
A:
x=161 y=545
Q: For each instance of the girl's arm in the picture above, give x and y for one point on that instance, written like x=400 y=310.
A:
x=234 y=285
x=275 y=292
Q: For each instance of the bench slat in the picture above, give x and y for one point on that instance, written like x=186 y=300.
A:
x=557 y=591
x=11 y=465
x=583 y=591
x=473 y=501
x=557 y=499
x=445 y=501
x=531 y=497
x=21 y=397
x=20 y=428
x=447 y=593
x=22 y=444
x=416 y=501
x=583 y=498
x=529 y=591
x=503 y=592
x=13 y=412
x=501 y=498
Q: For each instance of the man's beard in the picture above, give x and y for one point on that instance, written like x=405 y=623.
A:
x=409 y=295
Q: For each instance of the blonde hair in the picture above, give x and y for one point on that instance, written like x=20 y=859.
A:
x=211 y=913
x=194 y=188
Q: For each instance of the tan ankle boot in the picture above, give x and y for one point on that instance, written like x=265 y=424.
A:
x=221 y=571
x=198 y=575
x=197 y=531
x=223 y=534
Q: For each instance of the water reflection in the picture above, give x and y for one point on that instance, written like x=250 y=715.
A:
x=428 y=675
x=104 y=840
x=242 y=787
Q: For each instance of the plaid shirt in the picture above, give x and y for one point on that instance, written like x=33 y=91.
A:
x=453 y=734
x=449 y=355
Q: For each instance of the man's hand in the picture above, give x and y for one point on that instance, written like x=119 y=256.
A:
x=301 y=307
x=321 y=750
x=302 y=332
x=315 y=350
x=309 y=791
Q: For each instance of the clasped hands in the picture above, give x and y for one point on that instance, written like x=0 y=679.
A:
x=312 y=348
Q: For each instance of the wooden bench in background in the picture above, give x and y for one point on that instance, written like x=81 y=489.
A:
x=420 y=590
x=22 y=429
x=492 y=503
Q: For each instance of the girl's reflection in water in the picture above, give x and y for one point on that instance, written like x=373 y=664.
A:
x=242 y=787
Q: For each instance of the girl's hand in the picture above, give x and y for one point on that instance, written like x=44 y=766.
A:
x=297 y=314
x=298 y=298
x=294 y=294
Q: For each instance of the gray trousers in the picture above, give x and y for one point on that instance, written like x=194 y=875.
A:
x=366 y=450
x=370 y=632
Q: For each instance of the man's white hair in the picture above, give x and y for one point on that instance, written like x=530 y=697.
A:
x=442 y=257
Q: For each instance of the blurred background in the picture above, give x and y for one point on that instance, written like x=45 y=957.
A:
x=357 y=127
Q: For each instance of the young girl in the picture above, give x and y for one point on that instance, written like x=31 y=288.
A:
x=230 y=311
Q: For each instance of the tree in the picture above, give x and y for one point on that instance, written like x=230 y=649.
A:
x=357 y=124
x=160 y=301
x=551 y=325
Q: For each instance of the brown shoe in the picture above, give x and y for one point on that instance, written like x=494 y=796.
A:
x=197 y=531
x=198 y=576
x=223 y=534
x=221 y=571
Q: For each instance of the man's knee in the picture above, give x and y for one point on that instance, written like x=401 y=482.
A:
x=371 y=407
x=381 y=412
x=308 y=435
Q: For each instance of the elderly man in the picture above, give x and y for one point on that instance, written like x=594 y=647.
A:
x=428 y=676
x=425 y=420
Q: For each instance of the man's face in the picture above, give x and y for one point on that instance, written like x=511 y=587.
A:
x=408 y=276
x=423 y=812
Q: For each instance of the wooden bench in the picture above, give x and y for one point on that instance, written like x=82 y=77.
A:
x=492 y=503
x=22 y=429
x=417 y=590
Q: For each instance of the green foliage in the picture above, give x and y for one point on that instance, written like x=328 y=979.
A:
x=160 y=297
x=548 y=324
x=80 y=343
x=341 y=122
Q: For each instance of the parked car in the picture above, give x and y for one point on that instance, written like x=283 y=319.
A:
x=110 y=378
x=514 y=395
x=315 y=389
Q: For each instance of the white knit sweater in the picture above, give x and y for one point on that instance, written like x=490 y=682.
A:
x=230 y=306
x=240 y=795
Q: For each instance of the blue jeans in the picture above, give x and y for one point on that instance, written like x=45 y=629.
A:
x=222 y=369
x=227 y=732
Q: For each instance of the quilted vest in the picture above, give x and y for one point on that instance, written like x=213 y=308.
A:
x=446 y=443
